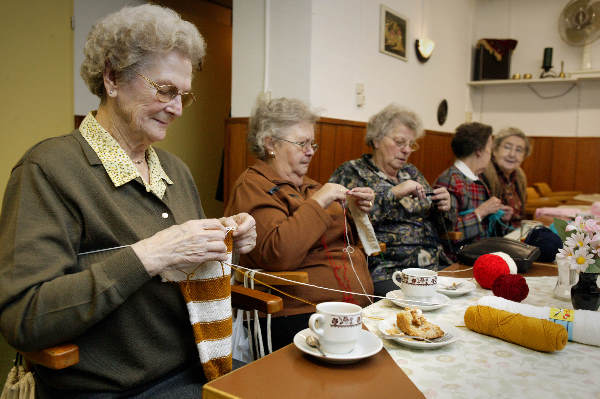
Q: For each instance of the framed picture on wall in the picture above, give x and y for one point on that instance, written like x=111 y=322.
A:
x=393 y=28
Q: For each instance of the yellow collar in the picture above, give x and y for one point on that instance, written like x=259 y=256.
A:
x=116 y=162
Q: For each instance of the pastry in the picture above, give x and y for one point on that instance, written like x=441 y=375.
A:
x=412 y=322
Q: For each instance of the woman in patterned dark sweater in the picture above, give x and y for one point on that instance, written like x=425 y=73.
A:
x=407 y=212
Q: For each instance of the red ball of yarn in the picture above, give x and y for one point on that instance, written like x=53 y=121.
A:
x=487 y=268
x=511 y=286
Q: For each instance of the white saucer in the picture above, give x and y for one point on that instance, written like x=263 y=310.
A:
x=435 y=302
x=451 y=335
x=368 y=345
x=464 y=286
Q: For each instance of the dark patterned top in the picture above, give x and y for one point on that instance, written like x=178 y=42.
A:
x=466 y=195
x=407 y=225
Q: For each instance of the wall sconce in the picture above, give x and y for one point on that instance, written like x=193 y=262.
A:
x=424 y=49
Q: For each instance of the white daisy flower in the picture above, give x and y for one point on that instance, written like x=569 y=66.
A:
x=577 y=240
x=581 y=259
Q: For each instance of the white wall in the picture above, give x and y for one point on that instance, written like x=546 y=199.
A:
x=534 y=23
x=86 y=13
x=344 y=51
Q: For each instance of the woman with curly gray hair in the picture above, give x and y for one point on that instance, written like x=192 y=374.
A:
x=97 y=223
x=300 y=223
x=407 y=211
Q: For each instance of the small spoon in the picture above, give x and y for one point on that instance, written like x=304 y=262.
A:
x=312 y=341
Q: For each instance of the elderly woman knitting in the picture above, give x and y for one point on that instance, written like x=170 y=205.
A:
x=475 y=209
x=300 y=223
x=504 y=176
x=91 y=218
x=403 y=216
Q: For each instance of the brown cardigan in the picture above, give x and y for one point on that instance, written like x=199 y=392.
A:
x=491 y=178
x=290 y=228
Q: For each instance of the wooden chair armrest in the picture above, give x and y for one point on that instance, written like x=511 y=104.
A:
x=452 y=235
x=249 y=299
x=56 y=357
x=294 y=276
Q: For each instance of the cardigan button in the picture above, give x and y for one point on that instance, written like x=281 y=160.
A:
x=165 y=215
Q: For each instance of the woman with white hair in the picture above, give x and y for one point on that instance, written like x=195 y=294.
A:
x=93 y=218
x=300 y=224
x=504 y=176
x=407 y=212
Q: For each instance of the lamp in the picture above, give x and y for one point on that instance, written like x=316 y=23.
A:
x=424 y=49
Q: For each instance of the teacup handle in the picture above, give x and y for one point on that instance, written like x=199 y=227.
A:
x=314 y=321
x=397 y=273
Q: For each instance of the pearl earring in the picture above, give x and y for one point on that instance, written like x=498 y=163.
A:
x=272 y=154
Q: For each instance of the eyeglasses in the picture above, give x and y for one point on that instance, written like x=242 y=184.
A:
x=509 y=147
x=305 y=145
x=403 y=143
x=166 y=93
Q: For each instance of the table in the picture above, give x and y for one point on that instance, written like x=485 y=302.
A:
x=478 y=366
x=288 y=373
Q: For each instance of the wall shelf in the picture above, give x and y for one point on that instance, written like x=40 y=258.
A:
x=513 y=82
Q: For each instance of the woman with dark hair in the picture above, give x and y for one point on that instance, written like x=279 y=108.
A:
x=471 y=199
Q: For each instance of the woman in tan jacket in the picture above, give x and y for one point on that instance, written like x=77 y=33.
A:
x=299 y=223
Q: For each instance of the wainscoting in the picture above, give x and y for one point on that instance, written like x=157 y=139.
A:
x=565 y=163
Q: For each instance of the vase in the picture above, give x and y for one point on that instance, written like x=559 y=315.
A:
x=586 y=293
x=567 y=278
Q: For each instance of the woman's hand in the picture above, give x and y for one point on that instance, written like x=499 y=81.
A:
x=409 y=187
x=328 y=193
x=244 y=235
x=195 y=241
x=488 y=207
x=364 y=197
x=508 y=213
x=441 y=196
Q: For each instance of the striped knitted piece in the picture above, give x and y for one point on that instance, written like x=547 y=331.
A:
x=207 y=292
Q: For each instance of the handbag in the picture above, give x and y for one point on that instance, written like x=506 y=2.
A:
x=19 y=383
x=523 y=254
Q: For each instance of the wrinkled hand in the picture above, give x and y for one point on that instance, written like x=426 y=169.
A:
x=364 y=197
x=328 y=193
x=195 y=241
x=488 y=207
x=442 y=196
x=409 y=187
x=508 y=213
x=244 y=235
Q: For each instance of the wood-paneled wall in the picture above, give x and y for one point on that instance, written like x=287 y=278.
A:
x=566 y=163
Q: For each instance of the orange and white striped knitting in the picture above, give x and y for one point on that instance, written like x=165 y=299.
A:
x=207 y=292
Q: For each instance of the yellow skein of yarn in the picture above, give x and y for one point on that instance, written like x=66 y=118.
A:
x=538 y=334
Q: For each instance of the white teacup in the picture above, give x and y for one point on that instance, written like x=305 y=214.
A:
x=337 y=325
x=416 y=283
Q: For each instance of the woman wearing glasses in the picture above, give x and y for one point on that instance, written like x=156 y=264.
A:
x=91 y=219
x=504 y=176
x=407 y=212
x=300 y=223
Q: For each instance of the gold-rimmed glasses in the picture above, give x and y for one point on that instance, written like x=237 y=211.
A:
x=402 y=143
x=166 y=93
x=305 y=145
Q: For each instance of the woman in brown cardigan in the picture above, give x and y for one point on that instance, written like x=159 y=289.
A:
x=299 y=223
x=504 y=176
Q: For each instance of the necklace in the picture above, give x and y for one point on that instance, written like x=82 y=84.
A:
x=138 y=162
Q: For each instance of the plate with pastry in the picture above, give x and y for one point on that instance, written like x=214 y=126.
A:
x=451 y=286
x=410 y=328
x=435 y=302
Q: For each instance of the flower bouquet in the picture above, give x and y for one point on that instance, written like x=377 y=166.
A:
x=581 y=252
x=581 y=244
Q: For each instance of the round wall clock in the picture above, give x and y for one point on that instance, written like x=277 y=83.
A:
x=442 y=112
